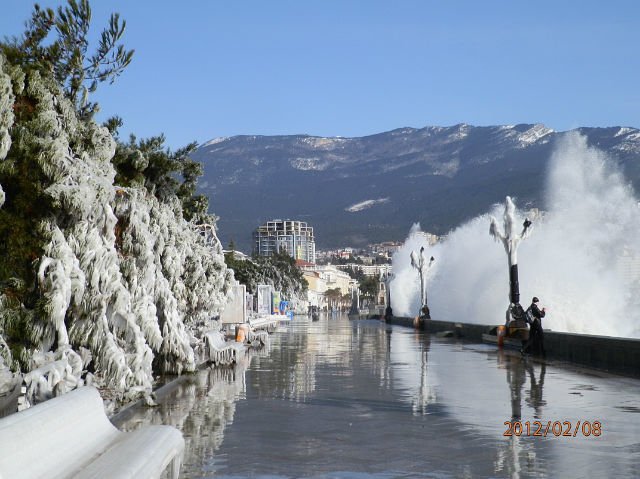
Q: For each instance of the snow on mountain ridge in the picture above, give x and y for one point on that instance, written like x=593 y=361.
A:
x=623 y=131
x=363 y=205
x=322 y=142
x=434 y=150
x=461 y=133
x=215 y=141
x=309 y=164
x=448 y=168
x=419 y=170
x=527 y=137
x=533 y=134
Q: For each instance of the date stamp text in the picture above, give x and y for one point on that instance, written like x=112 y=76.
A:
x=553 y=428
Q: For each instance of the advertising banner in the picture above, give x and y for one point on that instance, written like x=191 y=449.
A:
x=264 y=299
x=275 y=303
x=235 y=311
x=249 y=300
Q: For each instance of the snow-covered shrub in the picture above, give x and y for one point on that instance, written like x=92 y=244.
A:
x=121 y=274
x=79 y=272
x=7 y=99
x=6 y=120
x=279 y=271
x=172 y=270
x=101 y=276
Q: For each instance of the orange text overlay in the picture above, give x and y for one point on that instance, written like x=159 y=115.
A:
x=553 y=428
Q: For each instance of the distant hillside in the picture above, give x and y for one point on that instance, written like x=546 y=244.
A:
x=360 y=190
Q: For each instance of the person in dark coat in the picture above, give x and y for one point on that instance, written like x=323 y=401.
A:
x=536 y=334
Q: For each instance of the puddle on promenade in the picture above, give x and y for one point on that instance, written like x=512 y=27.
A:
x=361 y=399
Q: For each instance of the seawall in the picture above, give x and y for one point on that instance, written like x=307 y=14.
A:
x=616 y=355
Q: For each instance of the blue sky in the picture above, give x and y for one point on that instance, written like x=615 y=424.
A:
x=204 y=69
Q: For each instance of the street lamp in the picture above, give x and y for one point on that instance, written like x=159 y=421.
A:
x=355 y=301
x=511 y=240
x=419 y=263
x=388 y=312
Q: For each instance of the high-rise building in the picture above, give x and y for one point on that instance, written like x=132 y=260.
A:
x=294 y=237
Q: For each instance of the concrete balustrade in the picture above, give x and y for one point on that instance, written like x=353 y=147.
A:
x=616 y=355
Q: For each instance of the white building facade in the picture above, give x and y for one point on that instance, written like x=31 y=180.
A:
x=323 y=278
x=294 y=237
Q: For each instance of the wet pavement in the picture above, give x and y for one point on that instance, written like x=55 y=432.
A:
x=362 y=399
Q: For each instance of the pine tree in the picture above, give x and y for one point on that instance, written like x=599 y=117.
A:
x=66 y=58
x=150 y=164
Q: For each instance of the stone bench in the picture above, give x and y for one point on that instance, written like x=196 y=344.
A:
x=71 y=436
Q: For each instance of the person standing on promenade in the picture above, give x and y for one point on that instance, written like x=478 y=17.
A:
x=536 y=334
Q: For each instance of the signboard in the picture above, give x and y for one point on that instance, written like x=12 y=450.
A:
x=264 y=299
x=235 y=312
x=275 y=303
x=249 y=301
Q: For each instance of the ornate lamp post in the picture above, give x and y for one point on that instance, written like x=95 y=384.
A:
x=511 y=240
x=355 y=301
x=419 y=263
x=388 y=312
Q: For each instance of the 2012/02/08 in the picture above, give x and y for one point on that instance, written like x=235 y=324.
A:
x=556 y=428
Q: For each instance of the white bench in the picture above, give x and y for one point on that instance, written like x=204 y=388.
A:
x=268 y=323
x=257 y=338
x=71 y=436
x=218 y=352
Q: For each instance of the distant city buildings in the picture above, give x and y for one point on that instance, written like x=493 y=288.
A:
x=372 y=254
x=430 y=238
x=387 y=248
x=328 y=272
x=376 y=270
x=322 y=278
x=294 y=237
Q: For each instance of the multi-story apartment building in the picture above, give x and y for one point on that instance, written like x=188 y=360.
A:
x=294 y=237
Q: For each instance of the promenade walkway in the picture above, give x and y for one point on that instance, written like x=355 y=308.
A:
x=363 y=399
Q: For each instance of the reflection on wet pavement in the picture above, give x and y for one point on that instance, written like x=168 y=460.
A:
x=361 y=399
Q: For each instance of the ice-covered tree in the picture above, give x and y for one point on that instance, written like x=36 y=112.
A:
x=279 y=270
x=175 y=272
x=109 y=263
x=166 y=174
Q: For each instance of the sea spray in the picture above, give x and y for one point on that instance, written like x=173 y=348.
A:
x=577 y=260
x=574 y=261
x=405 y=285
x=469 y=280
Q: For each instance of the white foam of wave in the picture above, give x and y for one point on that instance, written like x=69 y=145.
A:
x=573 y=260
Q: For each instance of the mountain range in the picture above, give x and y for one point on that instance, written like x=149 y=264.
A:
x=356 y=191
